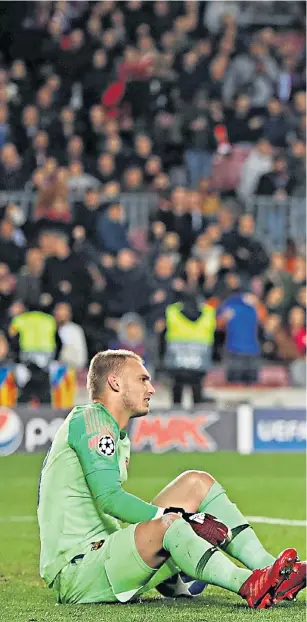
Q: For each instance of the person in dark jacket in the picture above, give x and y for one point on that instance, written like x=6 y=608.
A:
x=65 y=278
x=127 y=285
x=111 y=233
x=29 y=280
x=250 y=255
x=276 y=180
x=10 y=253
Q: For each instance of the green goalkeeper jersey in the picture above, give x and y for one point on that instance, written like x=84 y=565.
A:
x=80 y=493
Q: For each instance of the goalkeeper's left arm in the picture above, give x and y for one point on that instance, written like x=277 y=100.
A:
x=102 y=475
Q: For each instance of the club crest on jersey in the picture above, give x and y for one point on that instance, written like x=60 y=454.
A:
x=106 y=446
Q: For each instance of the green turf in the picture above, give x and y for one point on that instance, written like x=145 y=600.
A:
x=262 y=485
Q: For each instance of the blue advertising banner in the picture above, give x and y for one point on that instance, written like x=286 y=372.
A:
x=279 y=429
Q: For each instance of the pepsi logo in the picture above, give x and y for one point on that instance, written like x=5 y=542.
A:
x=11 y=431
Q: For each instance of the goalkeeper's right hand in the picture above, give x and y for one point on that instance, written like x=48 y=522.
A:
x=205 y=525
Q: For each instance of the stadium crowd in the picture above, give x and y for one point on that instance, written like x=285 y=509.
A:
x=101 y=99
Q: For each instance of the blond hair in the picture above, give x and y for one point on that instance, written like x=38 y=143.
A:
x=103 y=364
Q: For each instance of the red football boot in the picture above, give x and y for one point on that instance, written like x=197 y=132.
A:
x=290 y=587
x=261 y=587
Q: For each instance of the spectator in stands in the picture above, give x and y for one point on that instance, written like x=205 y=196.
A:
x=299 y=274
x=162 y=290
x=210 y=200
x=66 y=278
x=10 y=252
x=133 y=179
x=244 y=125
x=277 y=276
x=96 y=78
x=297 y=328
x=208 y=252
x=195 y=221
x=79 y=181
x=6 y=134
x=128 y=286
x=170 y=247
x=269 y=332
x=106 y=168
x=7 y=293
x=64 y=128
x=12 y=173
x=74 y=150
x=276 y=303
x=46 y=108
x=29 y=287
x=277 y=182
x=86 y=212
x=297 y=167
x=111 y=232
x=256 y=72
x=238 y=315
x=37 y=154
x=256 y=164
x=276 y=127
x=250 y=255
x=73 y=352
x=163 y=214
x=226 y=221
x=157 y=233
x=131 y=336
x=28 y=128
x=300 y=298
x=21 y=79
x=200 y=144
x=191 y=279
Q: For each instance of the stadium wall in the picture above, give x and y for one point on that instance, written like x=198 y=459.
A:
x=243 y=429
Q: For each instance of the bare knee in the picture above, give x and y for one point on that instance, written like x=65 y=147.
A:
x=149 y=539
x=167 y=520
x=198 y=482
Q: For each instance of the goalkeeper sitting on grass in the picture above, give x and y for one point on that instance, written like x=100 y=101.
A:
x=85 y=554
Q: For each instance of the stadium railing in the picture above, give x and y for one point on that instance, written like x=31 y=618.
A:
x=276 y=219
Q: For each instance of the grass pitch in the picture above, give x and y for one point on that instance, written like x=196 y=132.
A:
x=262 y=485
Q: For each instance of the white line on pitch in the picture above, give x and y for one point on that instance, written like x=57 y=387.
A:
x=277 y=521
x=265 y=520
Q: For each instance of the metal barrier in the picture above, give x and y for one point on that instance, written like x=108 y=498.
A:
x=276 y=219
x=279 y=219
x=138 y=205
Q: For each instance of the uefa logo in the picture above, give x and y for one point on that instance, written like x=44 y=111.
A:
x=11 y=431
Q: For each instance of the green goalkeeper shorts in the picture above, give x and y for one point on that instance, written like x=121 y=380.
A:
x=114 y=572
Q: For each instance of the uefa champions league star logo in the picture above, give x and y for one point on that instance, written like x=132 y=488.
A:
x=106 y=446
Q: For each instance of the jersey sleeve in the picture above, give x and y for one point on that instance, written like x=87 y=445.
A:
x=96 y=451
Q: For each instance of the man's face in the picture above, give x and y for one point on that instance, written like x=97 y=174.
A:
x=134 y=332
x=30 y=115
x=246 y=225
x=194 y=202
x=164 y=268
x=136 y=388
x=35 y=259
x=62 y=313
x=92 y=199
x=126 y=259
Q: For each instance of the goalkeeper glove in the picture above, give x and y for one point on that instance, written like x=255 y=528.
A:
x=205 y=526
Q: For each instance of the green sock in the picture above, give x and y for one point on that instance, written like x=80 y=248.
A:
x=244 y=546
x=199 y=559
